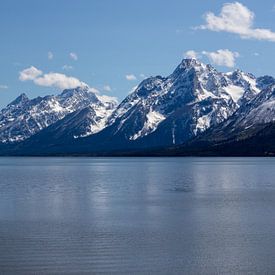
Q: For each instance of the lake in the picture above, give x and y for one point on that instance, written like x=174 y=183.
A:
x=137 y=215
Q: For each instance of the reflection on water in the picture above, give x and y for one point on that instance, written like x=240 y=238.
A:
x=130 y=215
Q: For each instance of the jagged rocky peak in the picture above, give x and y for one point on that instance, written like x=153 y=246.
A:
x=160 y=111
x=189 y=63
x=187 y=102
x=238 y=74
x=251 y=117
x=72 y=91
x=188 y=72
x=78 y=93
x=239 y=85
x=198 y=74
x=192 y=99
x=265 y=81
x=242 y=79
x=24 y=117
x=21 y=99
x=149 y=85
x=195 y=67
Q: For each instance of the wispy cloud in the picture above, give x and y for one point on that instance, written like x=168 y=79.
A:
x=107 y=88
x=50 y=55
x=73 y=56
x=222 y=57
x=30 y=73
x=3 y=87
x=67 y=67
x=57 y=80
x=130 y=77
x=238 y=19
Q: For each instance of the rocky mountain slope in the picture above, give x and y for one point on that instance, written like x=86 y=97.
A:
x=176 y=108
x=247 y=121
x=196 y=104
x=25 y=117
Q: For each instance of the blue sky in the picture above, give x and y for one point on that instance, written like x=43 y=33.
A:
x=113 y=45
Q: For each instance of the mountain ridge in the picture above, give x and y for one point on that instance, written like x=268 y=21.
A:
x=187 y=108
x=24 y=117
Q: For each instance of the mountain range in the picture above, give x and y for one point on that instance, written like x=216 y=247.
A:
x=196 y=110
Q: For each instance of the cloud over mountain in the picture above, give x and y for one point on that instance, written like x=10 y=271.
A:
x=30 y=73
x=52 y=79
x=222 y=57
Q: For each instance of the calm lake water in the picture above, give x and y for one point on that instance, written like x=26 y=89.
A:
x=137 y=215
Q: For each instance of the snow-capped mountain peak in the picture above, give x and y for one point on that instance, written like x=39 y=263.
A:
x=161 y=111
x=194 y=92
x=191 y=63
x=23 y=117
x=192 y=99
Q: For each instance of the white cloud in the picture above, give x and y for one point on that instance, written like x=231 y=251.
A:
x=67 y=67
x=3 y=87
x=238 y=19
x=57 y=80
x=222 y=57
x=50 y=55
x=143 y=76
x=60 y=81
x=191 y=54
x=256 y=54
x=73 y=56
x=107 y=88
x=130 y=77
x=29 y=74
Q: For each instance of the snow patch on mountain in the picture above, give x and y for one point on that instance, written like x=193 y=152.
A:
x=153 y=119
x=252 y=81
x=235 y=92
x=203 y=123
x=98 y=122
